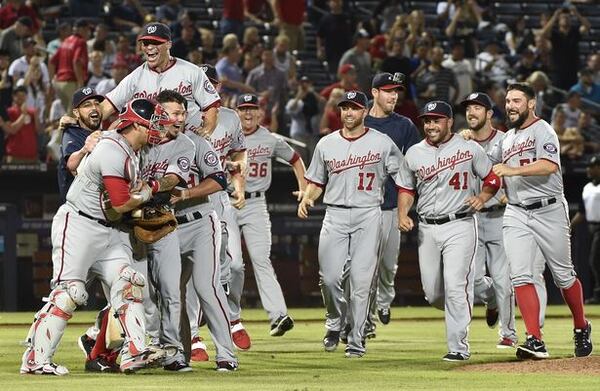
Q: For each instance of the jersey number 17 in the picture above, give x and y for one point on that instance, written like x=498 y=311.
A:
x=365 y=180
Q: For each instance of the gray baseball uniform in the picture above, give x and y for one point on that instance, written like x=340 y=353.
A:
x=254 y=223
x=199 y=234
x=444 y=177
x=172 y=157
x=182 y=76
x=353 y=173
x=226 y=139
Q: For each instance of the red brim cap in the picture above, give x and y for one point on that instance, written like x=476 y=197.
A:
x=351 y=102
x=248 y=105
x=153 y=38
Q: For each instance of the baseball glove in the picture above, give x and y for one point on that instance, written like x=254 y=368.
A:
x=151 y=223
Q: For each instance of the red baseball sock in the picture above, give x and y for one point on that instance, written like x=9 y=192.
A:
x=100 y=345
x=529 y=305
x=574 y=298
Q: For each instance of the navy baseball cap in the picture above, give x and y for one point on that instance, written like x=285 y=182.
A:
x=247 y=100
x=355 y=97
x=436 y=108
x=83 y=94
x=478 y=98
x=594 y=161
x=387 y=81
x=156 y=32
x=211 y=72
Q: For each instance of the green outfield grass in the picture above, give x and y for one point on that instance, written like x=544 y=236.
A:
x=405 y=355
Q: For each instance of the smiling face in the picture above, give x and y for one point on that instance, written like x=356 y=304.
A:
x=250 y=117
x=156 y=53
x=385 y=99
x=477 y=116
x=437 y=129
x=177 y=113
x=89 y=114
x=518 y=108
x=352 y=116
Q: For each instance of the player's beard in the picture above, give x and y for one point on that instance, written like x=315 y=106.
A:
x=519 y=121
x=351 y=123
x=92 y=124
x=480 y=123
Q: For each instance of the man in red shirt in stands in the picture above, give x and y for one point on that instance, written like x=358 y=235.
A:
x=13 y=10
x=290 y=14
x=347 y=76
x=69 y=66
x=21 y=136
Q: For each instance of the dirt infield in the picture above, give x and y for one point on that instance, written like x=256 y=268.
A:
x=586 y=366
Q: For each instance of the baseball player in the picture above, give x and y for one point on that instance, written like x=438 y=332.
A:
x=161 y=72
x=536 y=216
x=253 y=218
x=404 y=133
x=495 y=291
x=443 y=171
x=229 y=143
x=199 y=236
x=351 y=166
x=79 y=139
x=84 y=241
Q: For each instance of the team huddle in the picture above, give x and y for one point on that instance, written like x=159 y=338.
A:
x=156 y=206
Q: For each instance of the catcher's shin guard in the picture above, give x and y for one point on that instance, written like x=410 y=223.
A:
x=50 y=323
x=126 y=297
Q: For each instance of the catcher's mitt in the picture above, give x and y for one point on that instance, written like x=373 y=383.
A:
x=150 y=224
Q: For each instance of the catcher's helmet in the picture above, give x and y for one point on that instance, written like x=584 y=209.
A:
x=146 y=113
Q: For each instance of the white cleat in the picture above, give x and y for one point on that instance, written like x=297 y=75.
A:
x=32 y=368
x=149 y=358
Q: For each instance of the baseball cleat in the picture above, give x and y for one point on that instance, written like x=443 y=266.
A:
x=533 y=348
x=583 y=341
x=86 y=344
x=226 y=366
x=50 y=368
x=370 y=331
x=282 y=325
x=491 y=317
x=101 y=364
x=506 y=343
x=240 y=336
x=384 y=315
x=198 y=350
x=178 y=366
x=149 y=358
x=353 y=353
x=331 y=340
x=455 y=357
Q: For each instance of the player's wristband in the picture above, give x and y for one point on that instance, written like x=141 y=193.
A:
x=154 y=185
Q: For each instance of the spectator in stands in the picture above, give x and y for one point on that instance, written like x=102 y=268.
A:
x=586 y=86
x=101 y=41
x=445 y=11
x=387 y=11
x=290 y=15
x=186 y=18
x=361 y=59
x=593 y=63
x=63 y=30
x=284 y=60
x=195 y=56
x=396 y=61
x=492 y=64
x=347 y=81
x=462 y=68
x=209 y=52
x=271 y=84
x=518 y=37
x=251 y=39
x=230 y=74
x=544 y=97
x=526 y=65
x=249 y=63
x=259 y=11
x=434 y=82
x=565 y=45
x=125 y=54
x=68 y=66
x=12 y=10
x=129 y=15
x=232 y=20
x=6 y=82
x=11 y=37
x=169 y=11
x=331 y=120
x=96 y=71
x=21 y=137
x=19 y=67
x=542 y=49
x=570 y=138
x=118 y=72
x=407 y=107
x=182 y=45
x=304 y=109
x=463 y=25
x=571 y=108
x=416 y=28
x=420 y=59
x=334 y=34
